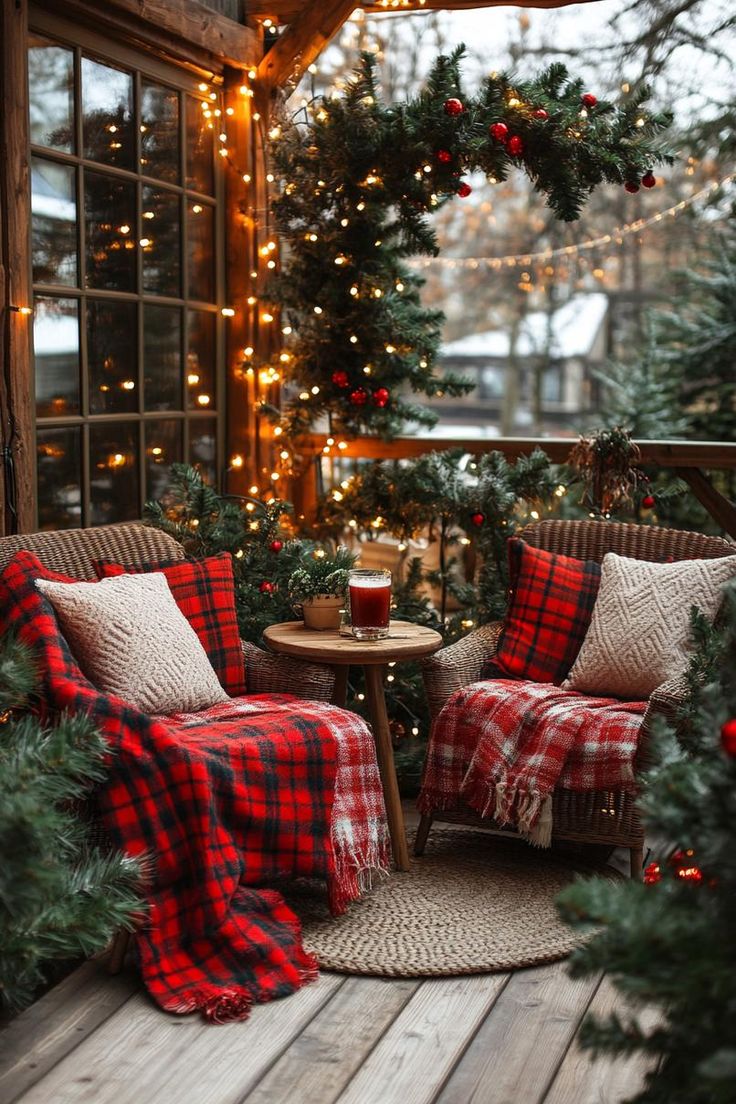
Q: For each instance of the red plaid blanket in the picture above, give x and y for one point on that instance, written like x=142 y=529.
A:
x=502 y=746
x=222 y=803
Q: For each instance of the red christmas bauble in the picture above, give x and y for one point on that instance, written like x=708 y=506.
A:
x=498 y=131
x=276 y=545
x=266 y=587
x=631 y=186
x=444 y=157
x=477 y=519
x=649 y=502
x=515 y=146
x=464 y=190
x=453 y=106
x=690 y=874
x=381 y=396
x=728 y=738
x=359 y=397
x=681 y=858
x=540 y=113
x=340 y=378
x=649 y=180
x=589 y=99
x=652 y=874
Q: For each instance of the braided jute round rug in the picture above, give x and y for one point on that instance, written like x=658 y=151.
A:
x=474 y=903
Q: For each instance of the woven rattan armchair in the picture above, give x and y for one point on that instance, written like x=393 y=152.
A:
x=73 y=551
x=596 y=817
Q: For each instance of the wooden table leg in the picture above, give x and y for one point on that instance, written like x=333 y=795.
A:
x=385 y=756
x=340 y=689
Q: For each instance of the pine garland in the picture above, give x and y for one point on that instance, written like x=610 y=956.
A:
x=361 y=180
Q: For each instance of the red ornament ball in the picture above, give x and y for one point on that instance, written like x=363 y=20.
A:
x=464 y=190
x=589 y=100
x=515 y=146
x=477 y=519
x=540 y=113
x=266 y=587
x=276 y=545
x=340 y=378
x=649 y=179
x=454 y=106
x=631 y=186
x=499 y=131
x=444 y=157
x=359 y=397
x=652 y=873
x=381 y=396
x=728 y=738
x=690 y=874
x=649 y=502
x=680 y=858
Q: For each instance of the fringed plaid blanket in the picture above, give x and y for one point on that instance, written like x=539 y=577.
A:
x=503 y=745
x=222 y=803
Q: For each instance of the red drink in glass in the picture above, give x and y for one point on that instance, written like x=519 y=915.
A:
x=370 y=603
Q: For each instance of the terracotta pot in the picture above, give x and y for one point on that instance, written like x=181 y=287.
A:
x=322 y=612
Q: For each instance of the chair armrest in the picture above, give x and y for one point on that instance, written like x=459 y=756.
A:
x=266 y=673
x=458 y=665
x=666 y=702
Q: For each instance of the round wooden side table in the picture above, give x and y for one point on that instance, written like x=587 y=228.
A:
x=405 y=641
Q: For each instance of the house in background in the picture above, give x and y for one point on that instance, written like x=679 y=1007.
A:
x=541 y=383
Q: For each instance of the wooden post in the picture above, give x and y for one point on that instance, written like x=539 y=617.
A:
x=718 y=506
x=16 y=371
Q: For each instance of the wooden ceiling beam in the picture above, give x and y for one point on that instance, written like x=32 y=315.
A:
x=285 y=11
x=302 y=41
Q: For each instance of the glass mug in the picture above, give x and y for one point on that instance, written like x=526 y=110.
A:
x=370 y=603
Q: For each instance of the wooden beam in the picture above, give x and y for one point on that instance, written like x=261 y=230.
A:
x=181 y=30
x=285 y=11
x=16 y=369
x=303 y=41
x=720 y=508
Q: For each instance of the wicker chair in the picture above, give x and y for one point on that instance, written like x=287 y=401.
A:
x=596 y=817
x=73 y=551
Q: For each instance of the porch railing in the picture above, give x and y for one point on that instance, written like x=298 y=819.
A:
x=690 y=460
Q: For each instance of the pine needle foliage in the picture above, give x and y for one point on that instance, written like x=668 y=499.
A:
x=60 y=898
x=671 y=943
x=361 y=181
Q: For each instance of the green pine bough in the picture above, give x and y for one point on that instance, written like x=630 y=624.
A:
x=360 y=182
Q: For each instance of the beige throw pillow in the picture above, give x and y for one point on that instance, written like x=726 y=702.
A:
x=131 y=639
x=639 y=635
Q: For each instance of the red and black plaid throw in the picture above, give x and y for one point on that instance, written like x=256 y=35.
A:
x=502 y=746
x=204 y=591
x=550 y=606
x=222 y=803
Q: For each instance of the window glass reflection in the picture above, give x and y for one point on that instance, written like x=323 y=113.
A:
x=161 y=243
x=200 y=148
x=107 y=114
x=201 y=251
x=113 y=460
x=53 y=223
x=162 y=358
x=59 y=473
x=109 y=209
x=201 y=360
x=56 y=356
x=163 y=448
x=111 y=357
x=160 y=145
x=203 y=447
x=51 y=94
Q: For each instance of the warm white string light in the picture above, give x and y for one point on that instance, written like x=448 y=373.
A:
x=614 y=238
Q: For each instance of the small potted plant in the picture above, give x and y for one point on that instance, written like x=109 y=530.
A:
x=319 y=586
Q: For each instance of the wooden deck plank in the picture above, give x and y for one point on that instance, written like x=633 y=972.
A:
x=146 y=1055
x=519 y=1047
x=420 y=1048
x=581 y=1080
x=333 y=1046
x=36 y=1040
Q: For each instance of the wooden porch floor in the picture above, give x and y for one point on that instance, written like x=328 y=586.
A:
x=493 y=1039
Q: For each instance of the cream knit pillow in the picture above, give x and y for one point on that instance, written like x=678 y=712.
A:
x=640 y=630
x=131 y=639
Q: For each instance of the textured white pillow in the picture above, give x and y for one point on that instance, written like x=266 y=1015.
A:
x=640 y=630
x=131 y=639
